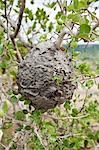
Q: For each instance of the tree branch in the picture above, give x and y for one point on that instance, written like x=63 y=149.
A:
x=12 y=141
x=96 y=25
x=39 y=136
x=64 y=118
x=66 y=30
x=60 y=6
x=19 y=19
x=13 y=36
x=92 y=15
x=20 y=35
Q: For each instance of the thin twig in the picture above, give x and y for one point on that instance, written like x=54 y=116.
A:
x=12 y=141
x=3 y=145
x=60 y=6
x=95 y=33
x=89 y=78
x=20 y=35
x=68 y=117
x=36 y=131
x=5 y=3
x=19 y=19
x=69 y=135
x=83 y=106
x=92 y=15
x=66 y=30
x=70 y=29
x=38 y=134
x=14 y=35
x=19 y=57
x=96 y=25
x=11 y=8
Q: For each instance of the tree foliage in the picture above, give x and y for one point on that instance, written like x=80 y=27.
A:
x=72 y=126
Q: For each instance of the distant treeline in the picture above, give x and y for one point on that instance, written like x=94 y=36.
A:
x=87 y=47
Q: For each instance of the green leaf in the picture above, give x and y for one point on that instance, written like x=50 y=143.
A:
x=22 y=98
x=50 y=27
x=58 y=79
x=75 y=4
x=11 y=53
x=1 y=113
x=73 y=44
x=67 y=105
x=36 y=116
x=7 y=125
x=29 y=30
x=19 y=115
x=97 y=135
x=4 y=64
x=53 y=138
x=60 y=22
x=51 y=5
x=29 y=13
x=34 y=26
x=85 y=69
x=85 y=29
x=58 y=15
x=59 y=28
x=27 y=127
x=74 y=112
x=6 y=106
x=74 y=17
x=50 y=128
x=27 y=102
x=13 y=98
x=75 y=54
x=1 y=49
x=43 y=37
x=97 y=69
x=82 y=4
x=89 y=83
x=66 y=143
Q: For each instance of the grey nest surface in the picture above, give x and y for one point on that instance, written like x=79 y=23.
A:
x=45 y=76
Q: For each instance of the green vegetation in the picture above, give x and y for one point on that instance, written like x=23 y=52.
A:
x=73 y=125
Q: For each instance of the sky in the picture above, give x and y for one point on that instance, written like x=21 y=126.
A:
x=39 y=3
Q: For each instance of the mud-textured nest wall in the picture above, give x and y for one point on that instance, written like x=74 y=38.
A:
x=44 y=76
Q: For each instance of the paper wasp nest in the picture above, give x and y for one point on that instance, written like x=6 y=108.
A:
x=44 y=76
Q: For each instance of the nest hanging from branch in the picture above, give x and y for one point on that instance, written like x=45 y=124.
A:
x=44 y=76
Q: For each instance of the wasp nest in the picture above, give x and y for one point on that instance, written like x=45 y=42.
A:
x=44 y=76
